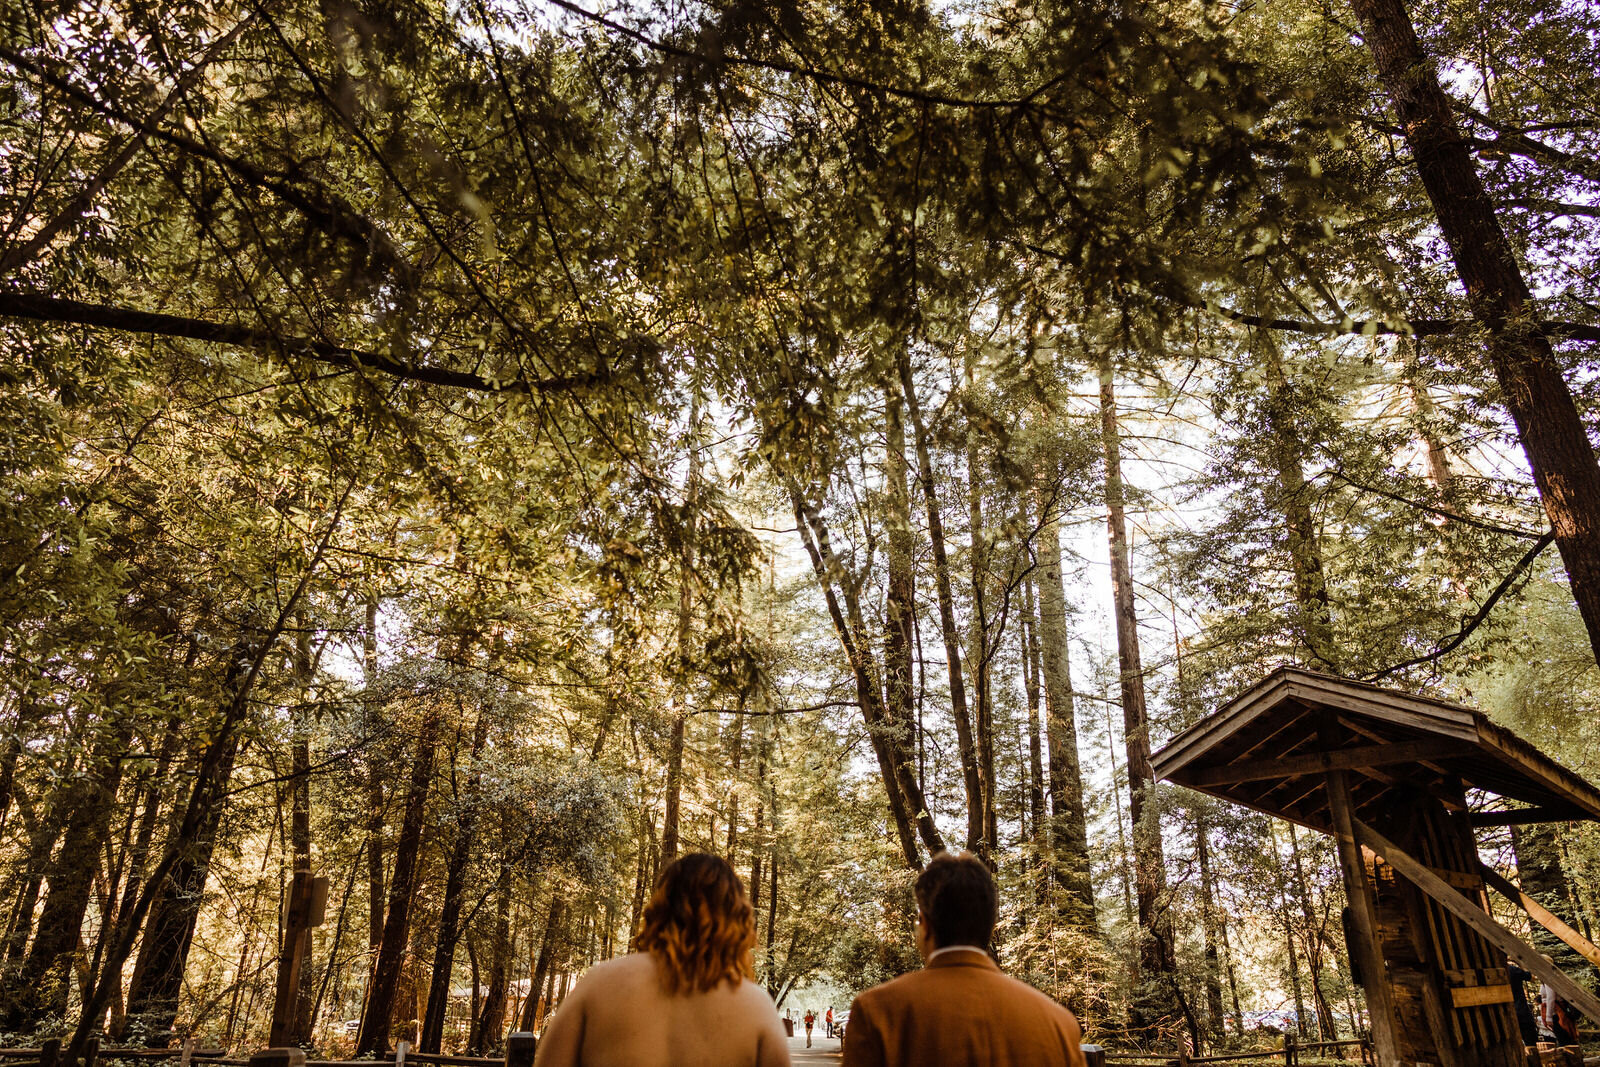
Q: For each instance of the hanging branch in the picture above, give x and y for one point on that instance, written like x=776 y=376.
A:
x=1454 y=641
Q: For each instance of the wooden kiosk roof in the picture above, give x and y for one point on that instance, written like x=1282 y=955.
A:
x=1272 y=746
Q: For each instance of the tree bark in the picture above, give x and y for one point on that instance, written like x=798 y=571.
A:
x=1300 y=531
x=978 y=556
x=1157 y=963
x=444 y=953
x=850 y=627
x=965 y=742
x=375 y=1020
x=1208 y=922
x=1069 y=824
x=492 y=1021
x=44 y=981
x=531 y=1012
x=680 y=686
x=900 y=602
x=1548 y=424
x=157 y=980
x=1028 y=634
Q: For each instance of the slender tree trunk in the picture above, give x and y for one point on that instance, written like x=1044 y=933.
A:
x=1208 y=922
x=43 y=984
x=965 y=743
x=1548 y=424
x=1069 y=824
x=900 y=602
x=531 y=1012
x=444 y=953
x=1028 y=635
x=374 y=783
x=300 y=811
x=680 y=709
x=1314 y=942
x=1157 y=963
x=1300 y=531
x=376 y=1017
x=850 y=627
x=492 y=1022
x=979 y=552
x=157 y=980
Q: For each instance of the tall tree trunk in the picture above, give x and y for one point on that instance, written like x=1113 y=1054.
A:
x=900 y=612
x=959 y=712
x=374 y=784
x=1300 y=531
x=375 y=1020
x=978 y=554
x=850 y=627
x=1208 y=924
x=680 y=685
x=1548 y=423
x=450 y=909
x=444 y=953
x=44 y=981
x=300 y=811
x=1028 y=636
x=157 y=980
x=1157 y=963
x=1314 y=941
x=492 y=1023
x=541 y=968
x=1069 y=823
x=1545 y=878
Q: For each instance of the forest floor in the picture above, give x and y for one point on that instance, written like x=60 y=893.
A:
x=822 y=1051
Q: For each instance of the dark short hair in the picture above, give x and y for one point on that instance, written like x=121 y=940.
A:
x=958 y=900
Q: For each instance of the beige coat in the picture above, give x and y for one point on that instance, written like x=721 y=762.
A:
x=957 y=1011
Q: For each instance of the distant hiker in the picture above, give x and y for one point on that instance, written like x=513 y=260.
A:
x=959 y=1010
x=811 y=1020
x=686 y=998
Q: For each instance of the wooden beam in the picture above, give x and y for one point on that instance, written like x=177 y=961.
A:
x=1364 y=924
x=1519 y=816
x=1542 y=915
x=1343 y=759
x=1478 y=920
x=1473 y=996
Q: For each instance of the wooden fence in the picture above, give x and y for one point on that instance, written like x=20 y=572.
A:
x=519 y=1053
x=1288 y=1054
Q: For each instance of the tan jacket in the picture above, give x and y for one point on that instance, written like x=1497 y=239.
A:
x=960 y=1010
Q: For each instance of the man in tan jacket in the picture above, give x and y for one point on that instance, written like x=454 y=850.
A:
x=959 y=1010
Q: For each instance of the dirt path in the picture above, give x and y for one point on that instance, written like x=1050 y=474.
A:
x=822 y=1051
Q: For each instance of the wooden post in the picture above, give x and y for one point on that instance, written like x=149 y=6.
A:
x=1363 y=924
x=188 y=1051
x=91 y=1051
x=1093 y=1055
x=307 y=900
x=50 y=1053
x=1291 y=1052
x=400 y=1050
x=520 y=1046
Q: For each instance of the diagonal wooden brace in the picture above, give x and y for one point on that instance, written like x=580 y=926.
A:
x=1480 y=921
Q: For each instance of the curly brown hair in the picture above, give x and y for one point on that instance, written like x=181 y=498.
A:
x=698 y=926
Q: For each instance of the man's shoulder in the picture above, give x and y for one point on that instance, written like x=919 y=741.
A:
x=984 y=983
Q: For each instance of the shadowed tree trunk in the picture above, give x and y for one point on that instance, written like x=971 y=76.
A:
x=1548 y=424
x=491 y=1024
x=450 y=909
x=43 y=983
x=541 y=969
x=375 y=1020
x=157 y=981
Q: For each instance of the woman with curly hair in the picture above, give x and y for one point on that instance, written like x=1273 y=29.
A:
x=685 y=998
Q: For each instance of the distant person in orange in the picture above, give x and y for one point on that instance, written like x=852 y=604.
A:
x=811 y=1020
x=686 y=998
x=829 y=1019
x=959 y=1010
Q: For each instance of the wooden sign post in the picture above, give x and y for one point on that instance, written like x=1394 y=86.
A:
x=303 y=909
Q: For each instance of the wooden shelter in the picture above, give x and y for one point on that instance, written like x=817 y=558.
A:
x=1387 y=774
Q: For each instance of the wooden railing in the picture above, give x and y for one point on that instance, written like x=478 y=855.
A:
x=519 y=1053
x=1288 y=1054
